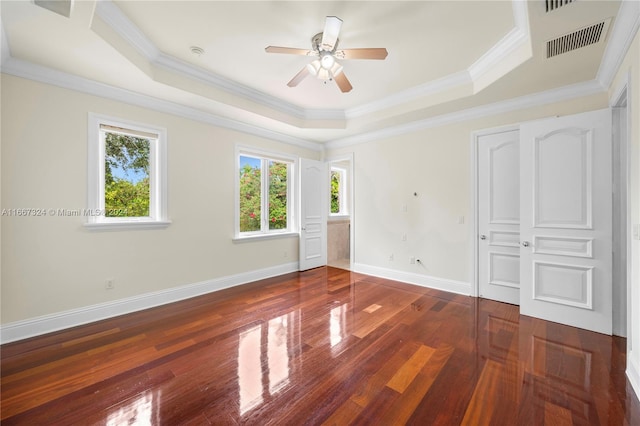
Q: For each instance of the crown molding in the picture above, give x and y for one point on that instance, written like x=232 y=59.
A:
x=430 y=88
x=43 y=74
x=31 y=71
x=523 y=102
x=624 y=31
x=622 y=35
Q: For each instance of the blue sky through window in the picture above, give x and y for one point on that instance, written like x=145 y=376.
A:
x=131 y=175
x=251 y=161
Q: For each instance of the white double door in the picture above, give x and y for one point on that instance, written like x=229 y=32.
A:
x=544 y=219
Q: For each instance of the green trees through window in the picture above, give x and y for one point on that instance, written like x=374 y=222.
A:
x=278 y=195
x=250 y=198
x=254 y=205
x=335 y=191
x=126 y=186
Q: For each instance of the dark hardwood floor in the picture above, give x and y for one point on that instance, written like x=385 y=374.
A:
x=325 y=346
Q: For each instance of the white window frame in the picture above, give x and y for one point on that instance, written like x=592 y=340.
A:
x=342 y=191
x=158 y=206
x=292 y=207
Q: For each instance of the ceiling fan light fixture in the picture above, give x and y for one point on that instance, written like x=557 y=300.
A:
x=327 y=61
x=336 y=69
x=324 y=74
x=324 y=46
x=314 y=67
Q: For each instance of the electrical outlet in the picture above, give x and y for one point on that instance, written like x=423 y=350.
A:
x=412 y=260
x=404 y=237
x=391 y=257
x=110 y=284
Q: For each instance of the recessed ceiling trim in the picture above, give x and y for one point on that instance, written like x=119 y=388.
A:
x=502 y=50
x=430 y=88
x=119 y=22
x=515 y=38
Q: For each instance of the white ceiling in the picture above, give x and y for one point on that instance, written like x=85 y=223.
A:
x=440 y=53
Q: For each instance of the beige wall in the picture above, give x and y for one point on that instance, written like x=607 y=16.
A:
x=631 y=67
x=53 y=264
x=436 y=164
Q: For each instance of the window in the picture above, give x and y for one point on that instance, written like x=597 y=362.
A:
x=264 y=194
x=127 y=174
x=338 y=191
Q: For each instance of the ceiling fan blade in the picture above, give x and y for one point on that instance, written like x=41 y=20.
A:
x=331 y=31
x=289 y=50
x=364 y=53
x=343 y=83
x=299 y=77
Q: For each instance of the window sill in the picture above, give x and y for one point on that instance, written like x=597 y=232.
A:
x=133 y=225
x=338 y=217
x=262 y=237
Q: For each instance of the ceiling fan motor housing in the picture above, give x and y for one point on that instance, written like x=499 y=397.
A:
x=316 y=44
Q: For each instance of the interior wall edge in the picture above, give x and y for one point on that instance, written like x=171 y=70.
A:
x=633 y=374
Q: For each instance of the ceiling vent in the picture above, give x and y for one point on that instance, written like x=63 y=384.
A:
x=584 y=37
x=556 y=4
x=61 y=7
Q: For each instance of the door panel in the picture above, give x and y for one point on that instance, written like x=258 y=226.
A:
x=313 y=226
x=563 y=199
x=504 y=269
x=503 y=180
x=565 y=206
x=499 y=216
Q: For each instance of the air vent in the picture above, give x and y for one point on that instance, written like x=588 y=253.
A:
x=61 y=7
x=577 y=39
x=556 y=4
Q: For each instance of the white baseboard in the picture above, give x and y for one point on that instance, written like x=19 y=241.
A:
x=633 y=373
x=443 y=284
x=48 y=323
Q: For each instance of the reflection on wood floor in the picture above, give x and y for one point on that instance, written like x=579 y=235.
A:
x=326 y=346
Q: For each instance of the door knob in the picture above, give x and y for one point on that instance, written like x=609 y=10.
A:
x=525 y=244
x=303 y=228
x=483 y=237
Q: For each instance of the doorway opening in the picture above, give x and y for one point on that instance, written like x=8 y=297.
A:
x=340 y=218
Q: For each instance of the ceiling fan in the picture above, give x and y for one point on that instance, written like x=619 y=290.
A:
x=324 y=48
